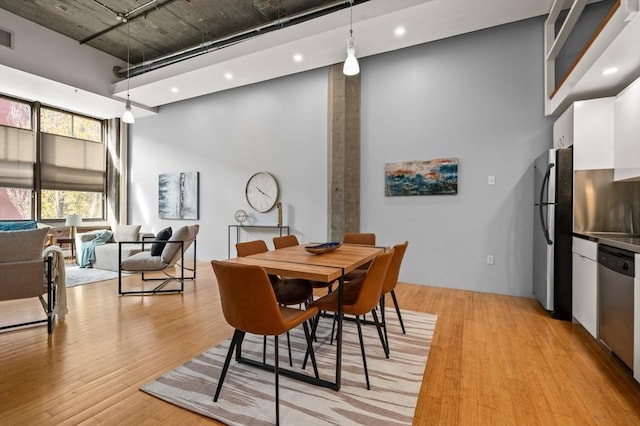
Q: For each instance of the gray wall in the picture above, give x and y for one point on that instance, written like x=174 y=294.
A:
x=278 y=126
x=478 y=97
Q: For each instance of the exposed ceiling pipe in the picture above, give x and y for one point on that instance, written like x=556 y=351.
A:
x=128 y=16
x=230 y=40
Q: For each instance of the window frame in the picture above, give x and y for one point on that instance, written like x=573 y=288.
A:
x=36 y=196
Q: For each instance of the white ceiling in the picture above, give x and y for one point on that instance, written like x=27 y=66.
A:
x=321 y=42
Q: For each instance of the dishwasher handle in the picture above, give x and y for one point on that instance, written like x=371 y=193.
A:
x=618 y=260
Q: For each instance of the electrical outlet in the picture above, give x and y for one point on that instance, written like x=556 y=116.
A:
x=490 y=259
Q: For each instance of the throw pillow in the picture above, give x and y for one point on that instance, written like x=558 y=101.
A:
x=17 y=226
x=17 y=246
x=126 y=233
x=162 y=235
x=185 y=233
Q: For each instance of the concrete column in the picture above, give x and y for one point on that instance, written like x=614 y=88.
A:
x=343 y=153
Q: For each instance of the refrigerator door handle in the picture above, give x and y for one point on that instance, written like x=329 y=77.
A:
x=542 y=204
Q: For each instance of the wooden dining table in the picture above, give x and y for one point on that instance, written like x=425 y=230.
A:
x=296 y=262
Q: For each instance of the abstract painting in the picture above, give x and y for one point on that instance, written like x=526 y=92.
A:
x=431 y=177
x=178 y=195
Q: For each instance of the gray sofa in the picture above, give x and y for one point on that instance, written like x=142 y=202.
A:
x=106 y=255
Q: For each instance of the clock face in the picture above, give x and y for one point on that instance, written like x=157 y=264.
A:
x=262 y=191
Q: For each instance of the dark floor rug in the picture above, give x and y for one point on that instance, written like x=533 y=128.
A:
x=247 y=396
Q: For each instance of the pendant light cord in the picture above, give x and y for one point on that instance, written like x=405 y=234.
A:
x=128 y=63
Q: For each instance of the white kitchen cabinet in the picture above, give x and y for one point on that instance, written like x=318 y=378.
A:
x=636 y=322
x=585 y=284
x=593 y=134
x=627 y=133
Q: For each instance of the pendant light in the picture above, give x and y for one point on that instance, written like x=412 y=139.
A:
x=351 y=66
x=127 y=117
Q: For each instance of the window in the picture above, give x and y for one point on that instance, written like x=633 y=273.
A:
x=71 y=163
x=17 y=160
x=72 y=166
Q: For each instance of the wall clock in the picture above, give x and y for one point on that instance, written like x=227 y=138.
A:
x=262 y=191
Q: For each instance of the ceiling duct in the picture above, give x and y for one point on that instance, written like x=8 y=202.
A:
x=232 y=39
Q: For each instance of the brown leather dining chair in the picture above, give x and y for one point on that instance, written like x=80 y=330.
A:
x=259 y=314
x=362 y=238
x=288 y=291
x=359 y=299
x=389 y=285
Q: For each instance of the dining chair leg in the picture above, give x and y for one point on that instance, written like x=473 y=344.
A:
x=384 y=319
x=364 y=357
x=275 y=338
x=239 y=346
x=395 y=302
x=225 y=367
x=264 y=349
x=289 y=346
x=379 y=327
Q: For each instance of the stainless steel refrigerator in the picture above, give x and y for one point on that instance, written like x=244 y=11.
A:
x=553 y=229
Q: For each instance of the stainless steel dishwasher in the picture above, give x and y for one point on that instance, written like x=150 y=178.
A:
x=615 y=308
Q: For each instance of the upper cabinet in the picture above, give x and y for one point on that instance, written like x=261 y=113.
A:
x=627 y=133
x=593 y=133
x=573 y=67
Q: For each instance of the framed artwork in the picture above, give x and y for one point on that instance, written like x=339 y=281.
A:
x=431 y=177
x=178 y=195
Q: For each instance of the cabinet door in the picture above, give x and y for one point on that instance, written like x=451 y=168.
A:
x=585 y=293
x=636 y=322
x=627 y=133
x=593 y=134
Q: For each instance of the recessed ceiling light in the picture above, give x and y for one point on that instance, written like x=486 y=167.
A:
x=399 y=32
x=297 y=57
x=228 y=76
x=174 y=90
x=610 y=71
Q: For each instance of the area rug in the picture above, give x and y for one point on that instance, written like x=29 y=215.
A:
x=79 y=276
x=247 y=396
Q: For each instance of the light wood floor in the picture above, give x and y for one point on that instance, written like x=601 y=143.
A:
x=495 y=360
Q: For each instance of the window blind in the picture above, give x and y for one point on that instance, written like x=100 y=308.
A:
x=17 y=157
x=72 y=164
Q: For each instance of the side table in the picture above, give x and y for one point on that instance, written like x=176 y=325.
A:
x=72 y=244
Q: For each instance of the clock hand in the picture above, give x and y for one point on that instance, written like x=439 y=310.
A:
x=262 y=192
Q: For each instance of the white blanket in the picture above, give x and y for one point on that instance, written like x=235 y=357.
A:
x=59 y=277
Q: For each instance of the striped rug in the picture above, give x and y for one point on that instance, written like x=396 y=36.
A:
x=247 y=396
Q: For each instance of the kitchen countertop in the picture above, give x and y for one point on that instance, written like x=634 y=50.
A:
x=623 y=241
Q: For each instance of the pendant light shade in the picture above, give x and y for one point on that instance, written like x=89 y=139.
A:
x=351 y=66
x=127 y=117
